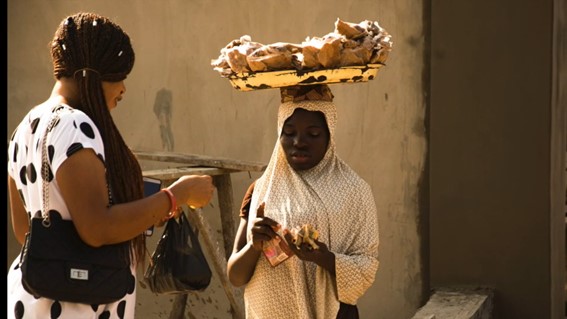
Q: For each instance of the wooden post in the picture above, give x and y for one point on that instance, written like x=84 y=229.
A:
x=218 y=262
x=224 y=190
x=178 y=308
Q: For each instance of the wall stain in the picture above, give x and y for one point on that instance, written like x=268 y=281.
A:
x=163 y=111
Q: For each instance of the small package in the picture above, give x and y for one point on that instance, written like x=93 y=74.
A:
x=277 y=250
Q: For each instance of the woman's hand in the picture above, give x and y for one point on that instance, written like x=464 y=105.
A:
x=322 y=256
x=194 y=190
x=263 y=229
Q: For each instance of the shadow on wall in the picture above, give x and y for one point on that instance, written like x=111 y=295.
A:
x=162 y=110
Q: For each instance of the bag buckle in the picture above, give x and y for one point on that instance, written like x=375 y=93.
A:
x=79 y=274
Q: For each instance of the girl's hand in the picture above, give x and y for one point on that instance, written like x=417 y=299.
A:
x=263 y=229
x=306 y=252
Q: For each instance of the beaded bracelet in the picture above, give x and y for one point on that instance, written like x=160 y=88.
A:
x=173 y=203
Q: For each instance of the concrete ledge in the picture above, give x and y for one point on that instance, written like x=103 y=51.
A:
x=458 y=303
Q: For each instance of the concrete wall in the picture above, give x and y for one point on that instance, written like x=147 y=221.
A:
x=381 y=123
x=497 y=151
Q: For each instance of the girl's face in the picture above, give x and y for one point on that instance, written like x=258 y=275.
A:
x=304 y=139
x=113 y=92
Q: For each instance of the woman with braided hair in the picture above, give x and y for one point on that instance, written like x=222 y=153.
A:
x=306 y=184
x=95 y=180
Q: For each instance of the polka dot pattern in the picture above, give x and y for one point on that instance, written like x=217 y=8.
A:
x=15 y=155
x=31 y=173
x=87 y=130
x=73 y=132
x=74 y=148
x=55 y=309
x=23 y=175
x=19 y=310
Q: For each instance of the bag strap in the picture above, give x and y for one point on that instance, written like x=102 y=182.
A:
x=45 y=167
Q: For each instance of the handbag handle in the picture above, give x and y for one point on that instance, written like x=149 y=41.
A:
x=45 y=168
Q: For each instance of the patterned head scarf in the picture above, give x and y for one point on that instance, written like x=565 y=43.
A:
x=279 y=178
x=339 y=204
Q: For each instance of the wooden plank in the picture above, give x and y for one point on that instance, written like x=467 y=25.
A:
x=173 y=173
x=200 y=160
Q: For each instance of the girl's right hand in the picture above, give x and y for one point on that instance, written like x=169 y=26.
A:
x=263 y=229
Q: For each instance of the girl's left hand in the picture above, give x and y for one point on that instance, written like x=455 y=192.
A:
x=306 y=252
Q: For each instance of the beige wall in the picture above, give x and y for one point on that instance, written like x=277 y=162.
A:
x=497 y=151
x=381 y=123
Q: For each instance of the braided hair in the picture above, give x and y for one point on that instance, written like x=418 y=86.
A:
x=90 y=49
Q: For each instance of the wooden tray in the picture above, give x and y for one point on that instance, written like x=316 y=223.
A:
x=276 y=79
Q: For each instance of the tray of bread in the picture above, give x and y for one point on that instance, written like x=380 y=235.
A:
x=352 y=53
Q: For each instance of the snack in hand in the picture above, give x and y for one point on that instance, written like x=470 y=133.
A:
x=305 y=234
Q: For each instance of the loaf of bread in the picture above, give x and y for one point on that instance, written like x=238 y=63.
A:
x=349 y=44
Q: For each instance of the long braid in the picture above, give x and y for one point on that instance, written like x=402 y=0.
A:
x=92 y=49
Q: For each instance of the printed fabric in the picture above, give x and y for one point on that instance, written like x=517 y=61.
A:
x=338 y=203
x=75 y=131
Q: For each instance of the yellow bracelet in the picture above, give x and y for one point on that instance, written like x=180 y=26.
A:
x=173 y=202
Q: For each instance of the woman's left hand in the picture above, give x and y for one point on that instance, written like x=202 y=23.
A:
x=321 y=256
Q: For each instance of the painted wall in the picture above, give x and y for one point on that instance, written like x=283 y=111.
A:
x=497 y=152
x=380 y=130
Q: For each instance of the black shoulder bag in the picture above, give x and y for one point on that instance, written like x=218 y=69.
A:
x=58 y=265
x=178 y=264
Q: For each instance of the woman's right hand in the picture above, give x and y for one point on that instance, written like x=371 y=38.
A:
x=193 y=190
x=263 y=229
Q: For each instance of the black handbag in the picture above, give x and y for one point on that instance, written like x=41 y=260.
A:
x=178 y=264
x=56 y=263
